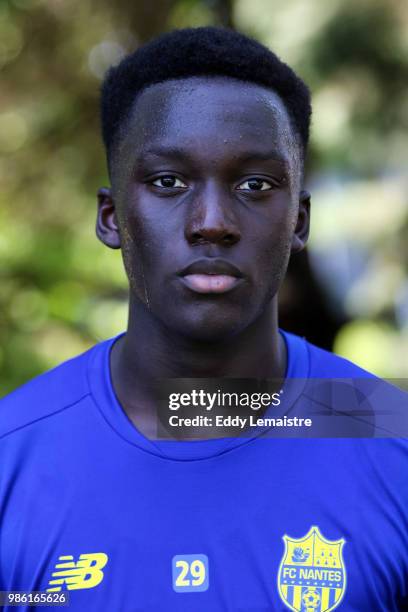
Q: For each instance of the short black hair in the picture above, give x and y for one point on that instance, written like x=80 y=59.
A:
x=204 y=51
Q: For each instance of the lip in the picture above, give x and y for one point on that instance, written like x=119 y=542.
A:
x=213 y=266
x=211 y=276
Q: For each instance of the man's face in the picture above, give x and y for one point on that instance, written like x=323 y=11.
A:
x=205 y=203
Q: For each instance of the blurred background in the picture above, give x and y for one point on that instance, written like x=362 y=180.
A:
x=61 y=290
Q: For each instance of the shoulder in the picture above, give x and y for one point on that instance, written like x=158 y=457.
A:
x=305 y=360
x=360 y=397
x=47 y=394
x=325 y=364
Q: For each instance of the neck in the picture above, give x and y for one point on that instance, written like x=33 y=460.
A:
x=151 y=351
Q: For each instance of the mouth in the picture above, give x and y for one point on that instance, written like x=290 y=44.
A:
x=211 y=276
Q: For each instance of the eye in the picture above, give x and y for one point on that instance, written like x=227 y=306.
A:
x=169 y=181
x=255 y=184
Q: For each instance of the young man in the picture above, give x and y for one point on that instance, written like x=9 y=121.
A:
x=206 y=133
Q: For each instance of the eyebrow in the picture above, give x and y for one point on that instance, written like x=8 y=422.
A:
x=263 y=156
x=173 y=152
x=247 y=156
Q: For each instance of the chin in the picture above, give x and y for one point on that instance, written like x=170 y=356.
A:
x=209 y=329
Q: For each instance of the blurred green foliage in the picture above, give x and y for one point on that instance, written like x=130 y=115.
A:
x=61 y=290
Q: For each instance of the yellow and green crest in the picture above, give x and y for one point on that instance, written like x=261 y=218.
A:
x=312 y=575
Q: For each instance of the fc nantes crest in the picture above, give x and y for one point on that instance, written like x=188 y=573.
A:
x=312 y=576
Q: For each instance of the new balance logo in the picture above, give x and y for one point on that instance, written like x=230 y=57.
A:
x=84 y=574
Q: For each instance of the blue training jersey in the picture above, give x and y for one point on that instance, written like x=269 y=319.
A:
x=91 y=508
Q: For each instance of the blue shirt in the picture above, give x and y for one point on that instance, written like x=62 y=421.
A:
x=90 y=507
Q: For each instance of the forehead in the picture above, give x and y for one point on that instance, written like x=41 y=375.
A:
x=213 y=116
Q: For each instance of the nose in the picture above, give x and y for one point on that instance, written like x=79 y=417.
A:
x=212 y=219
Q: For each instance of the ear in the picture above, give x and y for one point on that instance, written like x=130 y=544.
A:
x=301 y=232
x=106 y=223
